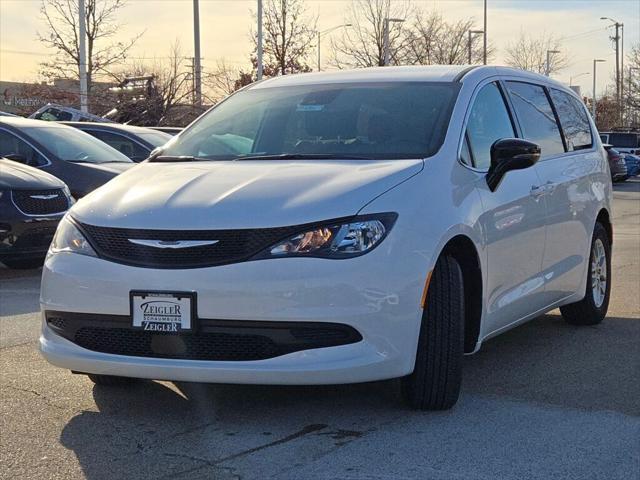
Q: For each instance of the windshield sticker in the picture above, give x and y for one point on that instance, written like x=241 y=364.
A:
x=309 y=108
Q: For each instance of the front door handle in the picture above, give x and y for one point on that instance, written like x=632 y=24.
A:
x=537 y=191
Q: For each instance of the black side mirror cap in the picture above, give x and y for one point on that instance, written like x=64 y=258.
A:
x=510 y=154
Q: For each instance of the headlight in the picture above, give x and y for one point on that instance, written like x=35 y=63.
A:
x=68 y=239
x=336 y=239
x=67 y=193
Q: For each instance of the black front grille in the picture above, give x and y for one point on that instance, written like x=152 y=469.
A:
x=40 y=202
x=232 y=245
x=222 y=340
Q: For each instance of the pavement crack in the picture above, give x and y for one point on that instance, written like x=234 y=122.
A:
x=17 y=345
x=300 y=433
x=216 y=463
x=37 y=394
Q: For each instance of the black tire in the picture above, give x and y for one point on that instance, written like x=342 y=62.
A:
x=24 y=263
x=437 y=375
x=587 y=311
x=110 y=380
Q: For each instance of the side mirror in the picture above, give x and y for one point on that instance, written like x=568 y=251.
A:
x=16 y=157
x=510 y=154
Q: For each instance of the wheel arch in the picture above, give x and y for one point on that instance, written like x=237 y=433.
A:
x=462 y=248
x=604 y=219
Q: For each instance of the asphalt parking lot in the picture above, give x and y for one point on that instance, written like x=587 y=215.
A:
x=543 y=401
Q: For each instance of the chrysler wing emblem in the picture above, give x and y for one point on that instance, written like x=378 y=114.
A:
x=172 y=243
x=44 y=197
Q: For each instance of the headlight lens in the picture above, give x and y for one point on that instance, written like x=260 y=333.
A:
x=69 y=239
x=336 y=240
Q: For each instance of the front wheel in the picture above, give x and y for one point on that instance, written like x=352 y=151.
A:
x=437 y=375
x=592 y=309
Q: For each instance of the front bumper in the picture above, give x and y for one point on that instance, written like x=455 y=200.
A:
x=378 y=298
x=26 y=237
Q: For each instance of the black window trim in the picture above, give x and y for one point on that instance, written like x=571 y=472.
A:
x=566 y=152
x=507 y=102
x=566 y=148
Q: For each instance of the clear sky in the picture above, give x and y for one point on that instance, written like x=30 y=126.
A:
x=225 y=28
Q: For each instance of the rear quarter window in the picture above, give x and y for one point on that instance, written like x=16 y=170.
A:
x=573 y=119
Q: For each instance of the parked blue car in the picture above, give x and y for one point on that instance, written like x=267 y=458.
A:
x=633 y=164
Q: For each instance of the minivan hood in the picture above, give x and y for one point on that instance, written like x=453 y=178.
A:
x=240 y=194
x=14 y=175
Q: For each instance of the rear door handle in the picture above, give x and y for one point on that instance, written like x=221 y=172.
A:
x=549 y=187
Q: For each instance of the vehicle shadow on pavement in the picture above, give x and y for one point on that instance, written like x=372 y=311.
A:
x=187 y=430
x=550 y=361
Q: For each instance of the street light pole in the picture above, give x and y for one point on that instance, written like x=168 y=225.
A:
x=571 y=78
x=386 y=46
x=469 y=41
x=593 y=99
x=484 y=48
x=325 y=32
x=259 y=40
x=548 y=67
x=82 y=41
x=197 y=67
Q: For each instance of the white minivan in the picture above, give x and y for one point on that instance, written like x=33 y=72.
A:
x=338 y=227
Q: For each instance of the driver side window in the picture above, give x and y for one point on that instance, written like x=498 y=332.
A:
x=489 y=121
x=12 y=145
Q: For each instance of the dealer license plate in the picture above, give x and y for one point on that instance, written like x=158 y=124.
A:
x=163 y=312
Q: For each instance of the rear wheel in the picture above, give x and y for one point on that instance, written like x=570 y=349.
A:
x=592 y=309
x=110 y=380
x=437 y=375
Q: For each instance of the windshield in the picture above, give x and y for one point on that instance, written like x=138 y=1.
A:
x=68 y=143
x=157 y=139
x=368 y=120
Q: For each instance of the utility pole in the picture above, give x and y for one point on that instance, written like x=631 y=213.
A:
x=470 y=42
x=386 y=46
x=548 y=66
x=196 y=53
x=82 y=41
x=484 y=48
x=259 y=40
x=619 y=88
x=593 y=99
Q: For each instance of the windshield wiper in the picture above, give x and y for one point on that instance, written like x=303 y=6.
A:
x=178 y=158
x=304 y=156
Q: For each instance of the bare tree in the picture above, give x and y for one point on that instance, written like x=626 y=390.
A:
x=61 y=35
x=289 y=37
x=223 y=80
x=431 y=40
x=632 y=87
x=157 y=92
x=530 y=53
x=362 y=45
